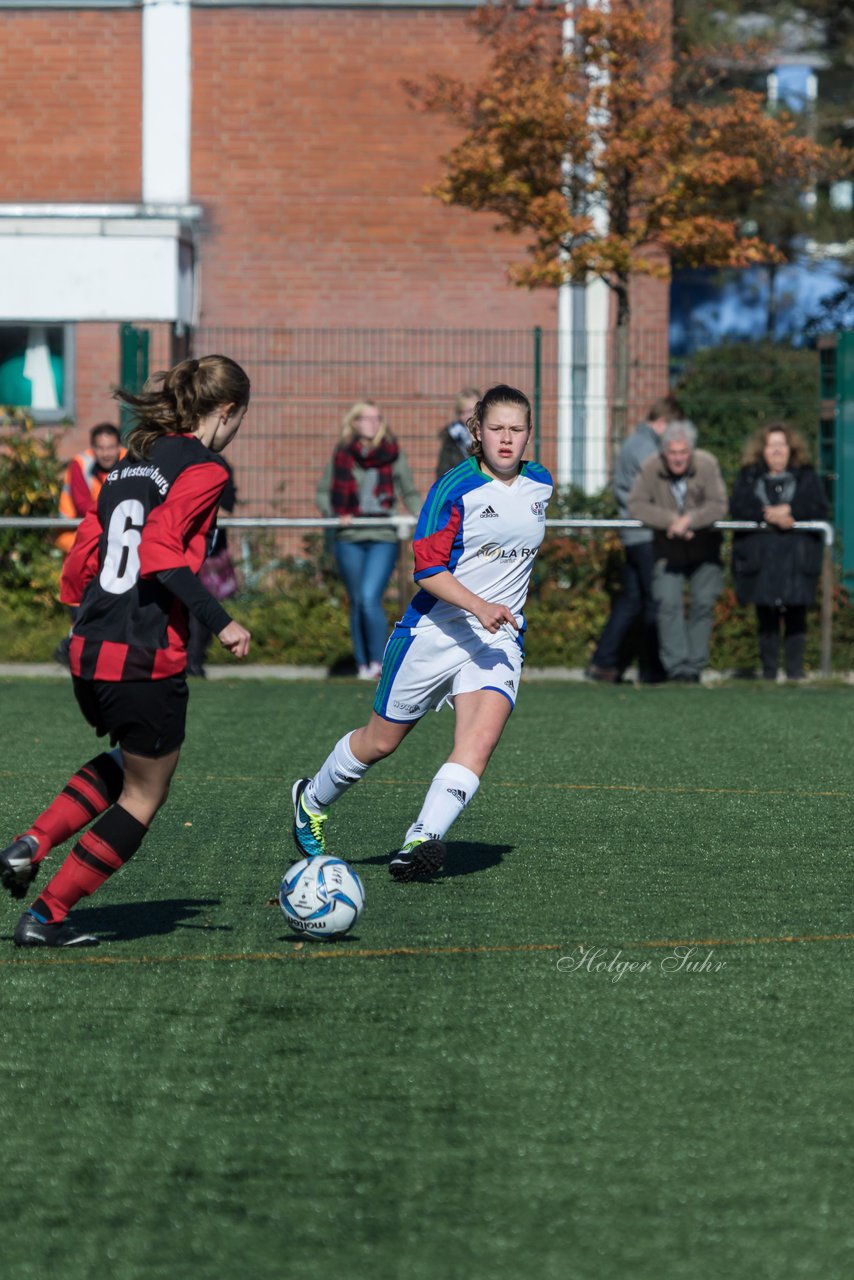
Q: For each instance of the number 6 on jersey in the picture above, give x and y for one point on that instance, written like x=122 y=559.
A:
x=121 y=562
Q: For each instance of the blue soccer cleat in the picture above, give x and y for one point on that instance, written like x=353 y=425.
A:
x=308 y=826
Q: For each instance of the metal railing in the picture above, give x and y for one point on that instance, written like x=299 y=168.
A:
x=404 y=524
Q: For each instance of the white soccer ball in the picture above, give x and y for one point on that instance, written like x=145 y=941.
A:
x=321 y=897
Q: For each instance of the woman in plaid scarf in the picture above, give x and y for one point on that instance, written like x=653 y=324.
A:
x=367 y=473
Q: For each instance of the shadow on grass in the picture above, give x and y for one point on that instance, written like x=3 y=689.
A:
x=463 y=859
x=130 y=920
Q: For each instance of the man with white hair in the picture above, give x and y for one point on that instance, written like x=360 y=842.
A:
x=635 y=604
x=679 y=493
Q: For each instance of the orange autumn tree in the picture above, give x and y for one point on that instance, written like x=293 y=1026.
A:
x=572 y=136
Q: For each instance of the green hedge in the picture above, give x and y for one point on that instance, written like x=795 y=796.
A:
x=297 y=613
x=300 y=615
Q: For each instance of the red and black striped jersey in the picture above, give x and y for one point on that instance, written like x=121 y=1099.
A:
x=153 y=514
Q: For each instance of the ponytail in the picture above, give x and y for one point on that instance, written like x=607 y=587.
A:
x=175 y=401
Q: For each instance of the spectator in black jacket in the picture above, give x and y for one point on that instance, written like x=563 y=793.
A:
x=777 y=568
x=455 y=437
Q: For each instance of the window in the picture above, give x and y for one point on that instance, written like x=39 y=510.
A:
x=36 y=369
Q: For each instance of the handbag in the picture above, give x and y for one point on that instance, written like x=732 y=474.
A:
x=218 y=575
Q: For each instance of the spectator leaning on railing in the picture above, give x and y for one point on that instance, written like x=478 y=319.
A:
x=777 y=568
x=635 y=600
x=679 y=493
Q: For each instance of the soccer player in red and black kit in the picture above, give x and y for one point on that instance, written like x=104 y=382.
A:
x=133 y=570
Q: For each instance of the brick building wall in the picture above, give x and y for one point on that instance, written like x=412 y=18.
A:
x=70 y=86
x=313 y=163
x=310 y=167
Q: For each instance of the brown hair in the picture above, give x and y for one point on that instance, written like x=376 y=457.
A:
x=667 y=407
x=104 y=429
x=175 y=401
x=799 y=454
x=348 y=424
x=500 y=394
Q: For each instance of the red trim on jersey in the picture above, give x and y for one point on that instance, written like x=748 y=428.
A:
x=75 y=653
x=175 y=533
x=81 y=563
x=434 y=552
x=166 y=661
x=111 y=661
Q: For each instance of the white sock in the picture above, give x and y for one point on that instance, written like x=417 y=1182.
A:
x=338 y=773
x=453 y=787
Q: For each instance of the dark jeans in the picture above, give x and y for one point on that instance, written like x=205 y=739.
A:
x=634 y=603
x=794 y=618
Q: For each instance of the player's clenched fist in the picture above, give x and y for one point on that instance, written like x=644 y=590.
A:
x=236 y=639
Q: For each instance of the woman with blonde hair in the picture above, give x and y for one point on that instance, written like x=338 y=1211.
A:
x=366 y=476
x=777 y=567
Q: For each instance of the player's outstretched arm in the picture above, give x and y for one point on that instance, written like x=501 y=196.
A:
x=444 y=586
x=235 y=639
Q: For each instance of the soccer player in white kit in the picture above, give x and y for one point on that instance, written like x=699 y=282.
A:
x=459 y=642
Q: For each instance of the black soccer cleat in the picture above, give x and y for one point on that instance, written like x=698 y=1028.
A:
x=418 y=860
x=17 y=869
x=32 y=932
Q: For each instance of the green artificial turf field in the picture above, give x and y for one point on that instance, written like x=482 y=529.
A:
x=472 y=1085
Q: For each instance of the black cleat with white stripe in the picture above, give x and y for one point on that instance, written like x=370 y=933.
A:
x=418 y=860
x=17 y=869
x=33 y=932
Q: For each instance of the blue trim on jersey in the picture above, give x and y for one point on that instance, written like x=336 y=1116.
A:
x=464 y=477
x=458 y=546
x=428 y=573
x=536 y=471
x=396 y=650
x=494 y=689
x=419 y=606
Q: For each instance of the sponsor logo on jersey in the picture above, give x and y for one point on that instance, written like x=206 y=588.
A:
x=409 y=707
x=489 y=513
x=459 y=796
x=146 y=473
x=508 y=684
x=493 y=551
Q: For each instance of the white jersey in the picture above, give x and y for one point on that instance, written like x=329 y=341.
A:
x=487 y=535
x=483 y=532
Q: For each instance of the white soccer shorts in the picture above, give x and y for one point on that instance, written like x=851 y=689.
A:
x=425 y=667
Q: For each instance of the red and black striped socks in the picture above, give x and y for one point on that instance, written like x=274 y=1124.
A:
x=92 y=789
x=103 y=849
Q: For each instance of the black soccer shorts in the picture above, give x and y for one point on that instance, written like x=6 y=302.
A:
x=145 y=717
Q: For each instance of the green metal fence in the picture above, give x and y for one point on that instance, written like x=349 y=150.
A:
x=304 y=380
